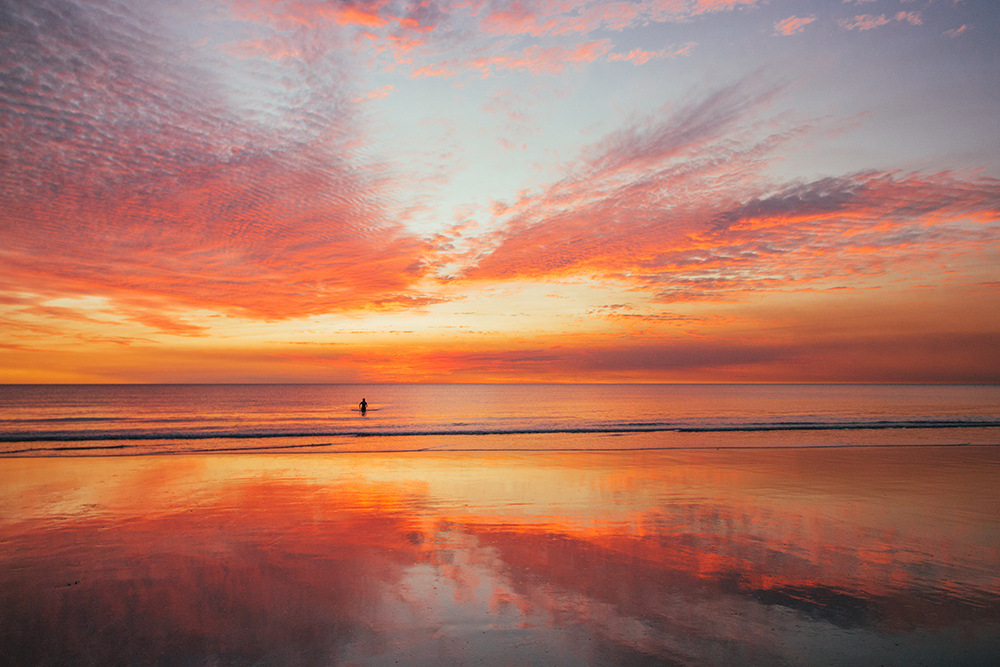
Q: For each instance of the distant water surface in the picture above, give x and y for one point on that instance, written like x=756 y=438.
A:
x=137 y=419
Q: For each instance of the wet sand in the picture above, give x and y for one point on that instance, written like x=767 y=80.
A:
x=696 y=557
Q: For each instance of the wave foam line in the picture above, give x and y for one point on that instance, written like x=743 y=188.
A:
x=264 y=449
x=725 y=428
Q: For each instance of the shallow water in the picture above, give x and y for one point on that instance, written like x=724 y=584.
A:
x=837 y=556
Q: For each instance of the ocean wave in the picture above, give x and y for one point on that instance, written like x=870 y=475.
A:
x=477 y=430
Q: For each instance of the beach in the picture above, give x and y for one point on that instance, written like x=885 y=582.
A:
x=811 y=556
x=455 y=332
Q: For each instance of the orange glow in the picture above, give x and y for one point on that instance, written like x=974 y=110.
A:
x=353 y=15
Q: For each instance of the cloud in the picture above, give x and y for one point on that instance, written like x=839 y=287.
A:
x=666 y=352
x=702 y=6
x=641 y=57
x=913 y=18
x=137 y=172
x=164 y=322
x=863 y=22
x=955 y=32
x=792 y=25
x=449 y=40
x=870 y=21
x=379 y=93
x=680 y=206
x=554 y=59
x=526 y=17
x=533 y=59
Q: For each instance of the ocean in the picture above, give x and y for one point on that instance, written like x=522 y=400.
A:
x=499 y=524
x=163 y=419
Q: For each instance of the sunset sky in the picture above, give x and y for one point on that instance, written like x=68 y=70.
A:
x=535 y=191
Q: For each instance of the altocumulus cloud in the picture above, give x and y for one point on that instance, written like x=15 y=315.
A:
x=139 y=163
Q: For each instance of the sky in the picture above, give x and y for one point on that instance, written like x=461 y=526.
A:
x=478 y=191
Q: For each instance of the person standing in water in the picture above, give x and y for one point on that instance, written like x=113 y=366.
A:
x=363 y=406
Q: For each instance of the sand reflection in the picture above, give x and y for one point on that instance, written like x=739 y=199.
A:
x=704 y=557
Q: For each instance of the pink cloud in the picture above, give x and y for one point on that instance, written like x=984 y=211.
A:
x=537 y=18
x=136 y=177
x=516 y=18
x=362 y=13
x=869 y=21
x=863 y=22
x=792 y=25
x=377 y=94
x=442 y=70
x=641 y=57
x=607 y=16
x=955 y=32
x=533 y=59
x=553 y=59
x=701 y=6
x=913 y=18
x=427 y=40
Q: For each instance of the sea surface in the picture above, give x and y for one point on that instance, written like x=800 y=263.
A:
x=759 y=525
x=149 y=419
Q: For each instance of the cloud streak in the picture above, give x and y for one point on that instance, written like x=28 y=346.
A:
x=679 y=205
x=792 y=25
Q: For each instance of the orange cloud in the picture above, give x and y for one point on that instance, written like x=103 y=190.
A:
x=347 y=14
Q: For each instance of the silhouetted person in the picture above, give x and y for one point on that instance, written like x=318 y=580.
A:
x=363 y=405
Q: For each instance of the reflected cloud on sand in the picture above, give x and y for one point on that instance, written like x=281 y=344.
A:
x=683 y=557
